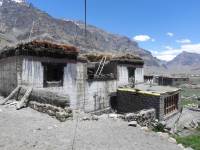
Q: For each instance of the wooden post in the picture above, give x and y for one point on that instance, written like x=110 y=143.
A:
x=11 y=94
x=24 y=100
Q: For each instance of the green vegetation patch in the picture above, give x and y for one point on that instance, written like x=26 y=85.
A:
x=192 y=141
x=187 y=92
x=186 y=102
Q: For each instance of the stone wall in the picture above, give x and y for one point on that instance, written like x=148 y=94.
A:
x=143 y=117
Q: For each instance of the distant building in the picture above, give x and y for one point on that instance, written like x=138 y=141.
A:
x=172 y=81
x=148 y=78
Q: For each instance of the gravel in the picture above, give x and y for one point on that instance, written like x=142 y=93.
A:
x=28 y=129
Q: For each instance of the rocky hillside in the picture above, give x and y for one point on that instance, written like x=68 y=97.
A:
x=185 y=62
x=20 y=22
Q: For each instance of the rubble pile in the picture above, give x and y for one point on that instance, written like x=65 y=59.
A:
x=143 y=117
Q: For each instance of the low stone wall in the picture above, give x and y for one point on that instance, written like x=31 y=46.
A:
x=47 y=102
x=62 y=114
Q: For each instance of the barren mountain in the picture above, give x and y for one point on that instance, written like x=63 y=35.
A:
x=185 y=62
x=22 y=21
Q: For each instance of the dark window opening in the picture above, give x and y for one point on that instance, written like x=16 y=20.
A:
x=101 y=72
x=131 y=72
x=113 y=102
x=165 y=81
x=53 y=74
x=171 y=104
x=131 y=76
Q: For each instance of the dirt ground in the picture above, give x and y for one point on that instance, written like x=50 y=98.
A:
x=184 y=122
x=27 y=129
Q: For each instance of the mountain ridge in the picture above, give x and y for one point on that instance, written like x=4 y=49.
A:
x=22 y=21
x=185 y=62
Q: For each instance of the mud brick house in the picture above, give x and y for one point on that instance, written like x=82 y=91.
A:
x=87 y=81
x=149 y=78
x=165 y=100
x=172 y=81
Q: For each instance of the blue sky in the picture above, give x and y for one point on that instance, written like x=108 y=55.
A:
x=164 y=27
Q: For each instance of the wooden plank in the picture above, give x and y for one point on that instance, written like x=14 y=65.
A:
x=12 y=94
x=23 y=102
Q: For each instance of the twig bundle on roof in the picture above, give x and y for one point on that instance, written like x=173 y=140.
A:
x=42 y=49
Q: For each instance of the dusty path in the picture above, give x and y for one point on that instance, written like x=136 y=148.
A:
x=30 y=130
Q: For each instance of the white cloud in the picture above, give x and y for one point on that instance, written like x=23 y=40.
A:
x=184 y=41
x=170 y=34
x=193 y=48
x=19 y=1
x=168 y=47
x=142 y=38
x=169 y=53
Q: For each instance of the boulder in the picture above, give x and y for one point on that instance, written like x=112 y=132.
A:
x=172 y=140
x=113 y=116
x=181 y=146
x=188 y=148
x=133 y=123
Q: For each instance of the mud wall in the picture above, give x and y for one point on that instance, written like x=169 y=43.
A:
x=139 y=75
x=8 y=75
x=32 y=73
x=98 y=94
x=122 y=72
x=83 y=94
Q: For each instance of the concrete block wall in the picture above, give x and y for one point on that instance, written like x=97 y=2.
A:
x=133 y=102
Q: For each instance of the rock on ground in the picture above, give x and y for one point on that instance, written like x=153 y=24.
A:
x=188 y=119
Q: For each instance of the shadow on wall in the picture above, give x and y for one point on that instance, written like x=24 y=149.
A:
x=113 y=102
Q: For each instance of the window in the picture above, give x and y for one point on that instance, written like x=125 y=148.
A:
x=53 y=74
x=131 y=72
x=171 y=103
x=95 y=71
x=131 y=76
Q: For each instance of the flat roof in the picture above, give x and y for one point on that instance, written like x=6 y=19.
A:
x=126 y=58
x=41 y=49
x=174 y=77
x=154 y=90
